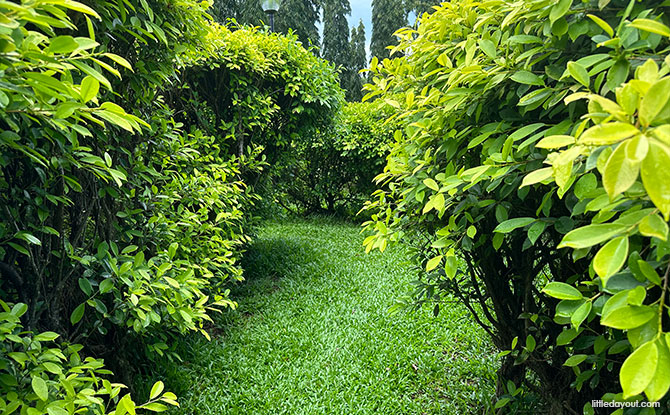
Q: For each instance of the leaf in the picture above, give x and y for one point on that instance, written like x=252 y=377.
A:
x=537 y=176
x=654 y=100
x=535 y=231
x=660 y=382
x=628 y=317
x=85 y=286
x=559 y=10
x=575 y=360
x=611 y=258
x=89 y=88
x=511 y=224
x=488 y=48
x=77 y=314
x=649 y=272
x=555 y=141
x=609 y=133
x=156 y=390
x=63 y=44
x=46 y=336
x=580 y=73
x=590 y=235
x=655 y=174
x=82 y=8
x=562 y=291
x=620 y=172
x=433 y=263
x=578 y=317
x=603 y=24
x=638 y=369
x=40 y=387
x=527 y=78
x=651 y=26
x=654 y=226
x=120 y=60
x=431 y=184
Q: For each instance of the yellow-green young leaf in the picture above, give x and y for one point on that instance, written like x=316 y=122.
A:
x=590 y=235
x=578 y=317
x=89 y=88
x=40 y=387
x=450 y=266
x=156 y=390
x=637 y=148
x=537 y=176
x=436 y=202
x=603 y=24
x=562 y=291
x=620 y=172
x=433 y=263
x=660 y=382
x=555 y=141
x=628 y=316
x=651 y=26
x=609 y=133
x=611 y=258
x=120 y=60
x=654 y=101
x=638 y=369
x=655 y=174
x=654 y=226
x=472 y=231
x=580 y=73
x=431 y=184
x=627 y=97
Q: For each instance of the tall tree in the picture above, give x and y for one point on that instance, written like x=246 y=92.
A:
x=336 y=31
x=301 y=16
x=387 y=17
x=353 y=80
x=419 y=7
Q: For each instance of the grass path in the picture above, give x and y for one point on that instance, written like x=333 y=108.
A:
x=313 y=335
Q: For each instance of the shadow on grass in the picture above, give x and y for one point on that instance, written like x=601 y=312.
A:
x=266 y=262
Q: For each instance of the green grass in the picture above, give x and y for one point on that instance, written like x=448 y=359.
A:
x=313 y=335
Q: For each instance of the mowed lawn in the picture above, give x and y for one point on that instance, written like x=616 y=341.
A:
x=313 y=335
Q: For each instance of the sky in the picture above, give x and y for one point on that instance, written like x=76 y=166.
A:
x=361 y=9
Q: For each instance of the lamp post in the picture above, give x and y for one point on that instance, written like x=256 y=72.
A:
x=271 y=7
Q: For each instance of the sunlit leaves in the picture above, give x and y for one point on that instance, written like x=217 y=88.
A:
x=620 y=172
x=656 y=176
x=652 y=26
x=608 y=133
x=562 y=291
x=611 y=258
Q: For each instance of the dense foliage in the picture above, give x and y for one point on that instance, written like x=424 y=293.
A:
x=129 y=135
x=535 y=158
x=332 y=170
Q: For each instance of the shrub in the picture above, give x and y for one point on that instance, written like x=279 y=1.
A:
x=331 y=170
x=38 y=376
x=487 y=89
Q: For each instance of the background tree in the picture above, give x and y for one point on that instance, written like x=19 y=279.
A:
x=419 y=7
x=336 y=32
x=387 y=17
x=301 y=16
x=352 y=79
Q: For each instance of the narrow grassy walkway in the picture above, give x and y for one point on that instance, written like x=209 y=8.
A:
x=313 y=335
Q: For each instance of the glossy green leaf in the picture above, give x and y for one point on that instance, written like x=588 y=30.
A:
x=656 y=176
x=40 y=387
x=654 y=226
x=654 y=101
x=590 y=235
x=611 y=258
x=639 y=369
x=620 y=172
x=512 y=224
x=628 y=317
x=651 y=26
x=562 y=291
x=579 y=73
x=608 y=133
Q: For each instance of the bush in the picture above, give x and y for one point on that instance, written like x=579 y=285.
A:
x=332 y=170
x=486 y=91
x=38 y=376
